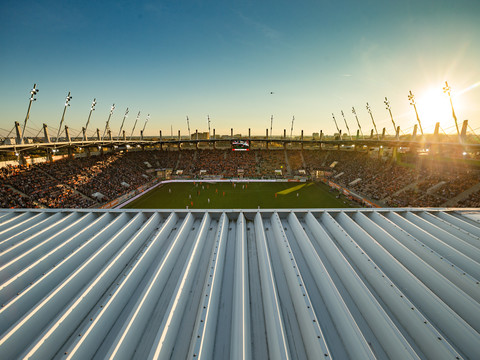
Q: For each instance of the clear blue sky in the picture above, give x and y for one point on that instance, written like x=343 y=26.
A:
x=222 y=58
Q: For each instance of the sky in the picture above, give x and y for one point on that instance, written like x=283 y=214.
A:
x=239 y=62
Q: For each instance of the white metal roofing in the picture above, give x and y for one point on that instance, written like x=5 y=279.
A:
x=359 y=284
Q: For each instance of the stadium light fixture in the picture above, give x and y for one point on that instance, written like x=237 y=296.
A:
x=411 y=97
x=145 y=124
x=335 y=121
x=33 y=92
x=271 y=125
x=373 y=121
x=107 y=125
x=291 y=128
x=67 y=104
x=346 y=124
x=387 y=104
x=447 y=89
x=358 y=122
x=135 y=124
x=123 y=121
x=92 y=108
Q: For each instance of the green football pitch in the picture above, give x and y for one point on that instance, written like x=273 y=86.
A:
x=251 y=195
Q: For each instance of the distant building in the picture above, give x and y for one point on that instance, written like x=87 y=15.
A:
x=10 y=141
x=201 y=136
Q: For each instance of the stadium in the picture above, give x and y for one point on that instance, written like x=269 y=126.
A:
x=240 y=247
x=240 y=180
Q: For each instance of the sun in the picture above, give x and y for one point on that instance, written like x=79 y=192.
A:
x=434 y=106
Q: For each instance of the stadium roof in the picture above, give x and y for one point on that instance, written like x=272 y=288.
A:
x=363 y=284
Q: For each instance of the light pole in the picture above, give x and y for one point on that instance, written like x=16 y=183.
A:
x=92 y=108
x=387 y=104
x=447 y=89
x=358 y=122
x=348 y=129
x=107 y=125
x=67 y=104
x=271 y=125
x=135 y=124
x=33 y=92
x=145 y=124
x=411 y=97
x=123 y=121
x=336 y=125
x=291 y=129
x=373 y=121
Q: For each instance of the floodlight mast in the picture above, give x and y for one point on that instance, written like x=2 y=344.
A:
x=208 y=120
x=145 y=124
x=291 y=129
x=188 y=127
x=411 y=97
x=135 y=124
x=271 y=125
x=358 y=122
x=67 y=104
x=33 y=92
x=123 y=121
x=373 y=121
x=107 y=125
x=348 y=129
x=447 y=89
x=387 y=104
x=92 y=108
x=336 y=125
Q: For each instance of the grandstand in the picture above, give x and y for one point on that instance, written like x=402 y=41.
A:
x=95 y=179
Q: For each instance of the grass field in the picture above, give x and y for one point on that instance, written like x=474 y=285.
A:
x=251 y=195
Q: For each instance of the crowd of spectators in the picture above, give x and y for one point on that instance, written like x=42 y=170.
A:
x=10 y=198
x=225 y=163
x=316 y=160
x=44 y=190
x=472 y=201
x=241 y=160
x=116 y=175
x=436 y=186
x=74 y=183
x=270 y=162
x=295 y=161
x=457 y=183
x=366 y=175
x=413 y=197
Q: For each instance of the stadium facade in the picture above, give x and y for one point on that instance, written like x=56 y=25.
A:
x=240 y=284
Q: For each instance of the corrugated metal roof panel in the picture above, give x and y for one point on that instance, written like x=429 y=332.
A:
x=382 y=283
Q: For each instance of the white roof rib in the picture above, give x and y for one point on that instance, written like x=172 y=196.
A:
x=240 y=284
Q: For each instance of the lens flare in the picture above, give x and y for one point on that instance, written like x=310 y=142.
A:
x=434 y=106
